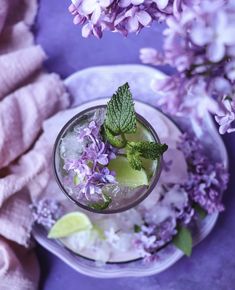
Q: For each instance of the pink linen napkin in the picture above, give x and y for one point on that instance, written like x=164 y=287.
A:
x=28 y=96
x=22 y=114
x=18 y=66
x=19 y=269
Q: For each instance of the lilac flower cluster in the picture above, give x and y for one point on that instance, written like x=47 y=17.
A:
x=205 y=186
x=90 y=169
x=46 y=212
x=206 y=182
x=152 y=237
x=123 y=16
x=200 y=44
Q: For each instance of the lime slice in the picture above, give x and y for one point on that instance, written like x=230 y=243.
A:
x=141 y=134
x=70 y=223
x=149 y=166
x=126 y=175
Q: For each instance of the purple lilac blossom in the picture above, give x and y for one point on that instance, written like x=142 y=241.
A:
x=200 y=44
x=205 y=186
x=152 y=237
x=123 y=16
x=91 y=167
x=46 y=212
x=206 y=182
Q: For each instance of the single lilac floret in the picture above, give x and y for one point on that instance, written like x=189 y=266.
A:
x=46 y=212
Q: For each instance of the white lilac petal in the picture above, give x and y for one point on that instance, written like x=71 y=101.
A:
x=105 y=3
x=144 y=18
x=227 y=104
x=77 y=19
x=89 y=6
x=227 y=37
x=216 y=51
x=222 y=85
x=162 y=4
x=133 y=24
x=201 y=35
x=76 y=3
x=224 y=124
x=177 y=7
x=230 y=70
x=231 y=130
x=96 y=14
x=150 y=56
x=182 y=63
x=137 y=2
x=220 y=23
x=124 y=3
x=103 y=159
x=72 y=8
x=110 y=178
x=87 y=30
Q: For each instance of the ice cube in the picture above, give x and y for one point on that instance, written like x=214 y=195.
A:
x=70 y=147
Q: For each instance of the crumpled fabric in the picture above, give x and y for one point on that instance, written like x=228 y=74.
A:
x=28 y=96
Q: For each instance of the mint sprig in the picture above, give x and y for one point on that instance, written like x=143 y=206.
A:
x=120 y=121
x=120 y=117
x=143 y=149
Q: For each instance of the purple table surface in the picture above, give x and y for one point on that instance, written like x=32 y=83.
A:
x=212 y=265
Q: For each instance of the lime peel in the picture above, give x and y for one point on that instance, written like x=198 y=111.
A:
x=126 y=175
x=68 y=224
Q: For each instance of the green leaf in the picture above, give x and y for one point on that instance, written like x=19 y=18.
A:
x=103 y=205
x=143 y=149
x=149 y=150
x=118 y=142
x=137 y=228
x=120 y=116
x=133 y=157
x=200 y=211
x=183 y=240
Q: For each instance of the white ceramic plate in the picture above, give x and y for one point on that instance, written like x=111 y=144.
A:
x=99 y=82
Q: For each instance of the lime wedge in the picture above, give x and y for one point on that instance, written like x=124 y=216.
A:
x=141 y=134
x=126 y=175
x=70 y=223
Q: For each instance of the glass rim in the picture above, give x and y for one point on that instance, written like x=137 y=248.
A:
x=154 y=178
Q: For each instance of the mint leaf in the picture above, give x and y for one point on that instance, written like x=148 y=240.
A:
x=183 y=240
x=120 y=115
x=118 y=142
x=143 y=149
x=133 y=157
x=149 y=150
